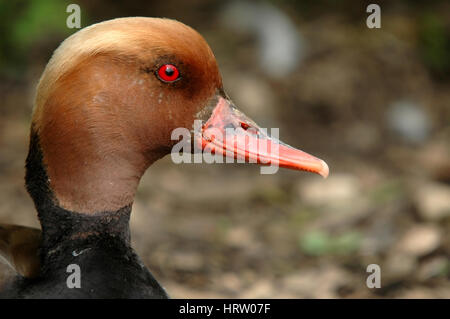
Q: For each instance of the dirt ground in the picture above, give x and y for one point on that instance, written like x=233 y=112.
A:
x=219 y=231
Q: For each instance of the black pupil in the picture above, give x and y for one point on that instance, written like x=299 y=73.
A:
x=169 y=71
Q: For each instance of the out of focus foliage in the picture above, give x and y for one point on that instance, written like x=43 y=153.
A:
x=434 y=42
x=23 y=23
x=318 y=243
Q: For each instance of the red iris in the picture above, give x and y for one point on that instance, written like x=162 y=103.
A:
x=168 y=73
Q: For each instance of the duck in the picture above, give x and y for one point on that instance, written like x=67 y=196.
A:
x=105 y=108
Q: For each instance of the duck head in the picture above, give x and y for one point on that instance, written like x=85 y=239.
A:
x=110 y=98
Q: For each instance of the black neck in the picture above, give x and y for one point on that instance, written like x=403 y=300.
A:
x=60 y=225
x=99 y=243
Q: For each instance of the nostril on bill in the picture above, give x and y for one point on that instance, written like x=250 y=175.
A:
x=245 y=126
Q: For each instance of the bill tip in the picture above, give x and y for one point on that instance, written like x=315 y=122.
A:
x=325 y=169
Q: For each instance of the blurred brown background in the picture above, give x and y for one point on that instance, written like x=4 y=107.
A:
x=373 y=103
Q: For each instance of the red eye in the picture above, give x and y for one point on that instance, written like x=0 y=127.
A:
x=168 y=73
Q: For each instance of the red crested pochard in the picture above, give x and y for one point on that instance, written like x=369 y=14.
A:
x=106 y=106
